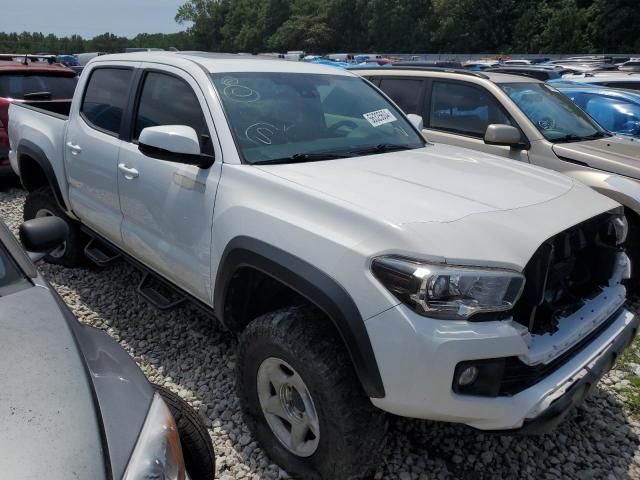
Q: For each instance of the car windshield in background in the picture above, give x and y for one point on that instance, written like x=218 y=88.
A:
x=556 y=117
x=284 y=117
x=37 y=86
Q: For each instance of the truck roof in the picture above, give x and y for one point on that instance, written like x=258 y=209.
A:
x=224 y=62
x=34 y=67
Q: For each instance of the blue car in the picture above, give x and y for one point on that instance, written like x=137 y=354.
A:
x=615 y=109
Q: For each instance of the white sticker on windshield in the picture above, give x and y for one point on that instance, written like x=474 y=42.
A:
x=379 y=117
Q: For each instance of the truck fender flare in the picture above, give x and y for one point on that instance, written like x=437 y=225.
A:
x=314 y=285
x=31 y=150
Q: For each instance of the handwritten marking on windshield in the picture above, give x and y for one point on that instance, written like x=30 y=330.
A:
x=239 y=93
x=261 y=133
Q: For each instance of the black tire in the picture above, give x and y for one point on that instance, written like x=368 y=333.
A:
x=197 y=449
x=352 y=430
x=42 y=199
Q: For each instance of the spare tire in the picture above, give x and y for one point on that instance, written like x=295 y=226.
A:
x=197 y=449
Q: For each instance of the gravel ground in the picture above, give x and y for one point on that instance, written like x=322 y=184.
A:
x=195 y=357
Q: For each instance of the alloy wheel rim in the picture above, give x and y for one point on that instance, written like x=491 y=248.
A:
x=288 y=407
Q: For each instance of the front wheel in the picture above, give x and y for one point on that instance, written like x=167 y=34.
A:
x=197 y=449
x=302 y=399
x=42 y=203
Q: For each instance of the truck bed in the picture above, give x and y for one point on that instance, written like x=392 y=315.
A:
x=38 y=129
x=60 y=108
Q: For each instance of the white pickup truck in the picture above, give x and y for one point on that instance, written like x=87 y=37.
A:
x=364 y=269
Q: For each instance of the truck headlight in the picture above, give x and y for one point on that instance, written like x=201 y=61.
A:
x=158 y=453
x=448 y=292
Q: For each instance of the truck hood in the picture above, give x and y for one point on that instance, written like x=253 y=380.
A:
x=616 y=154
x=49 y=422
x=438 y=183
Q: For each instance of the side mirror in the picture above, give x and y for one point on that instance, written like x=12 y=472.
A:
x=43 y=235
x=416 y=121
x=173 y=143
x=498 y=134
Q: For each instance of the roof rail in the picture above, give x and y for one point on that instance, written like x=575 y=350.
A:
x=423 y=69
x=22 y=57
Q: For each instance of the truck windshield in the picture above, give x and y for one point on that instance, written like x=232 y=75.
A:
x=286 y=118
x=27 y=86
x=556 y=117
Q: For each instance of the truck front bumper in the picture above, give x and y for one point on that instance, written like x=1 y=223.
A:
x=417 y=357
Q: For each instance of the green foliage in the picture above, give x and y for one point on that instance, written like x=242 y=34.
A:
x=455 y=26
x=38 y=43
x=318 y=26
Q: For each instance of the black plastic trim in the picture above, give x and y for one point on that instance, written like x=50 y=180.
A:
x=30 y=149
x=575 y=395
x=313 y=284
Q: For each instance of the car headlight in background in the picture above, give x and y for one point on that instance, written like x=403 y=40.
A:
x=158 y=454
x=448 y=292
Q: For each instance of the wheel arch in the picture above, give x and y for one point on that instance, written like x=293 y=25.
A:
x=312 y=284
x=36 y=170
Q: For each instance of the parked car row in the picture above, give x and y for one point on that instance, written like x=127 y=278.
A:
x=303 y=208
x=30 y=80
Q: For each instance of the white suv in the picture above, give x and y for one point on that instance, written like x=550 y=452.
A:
x=364 y=270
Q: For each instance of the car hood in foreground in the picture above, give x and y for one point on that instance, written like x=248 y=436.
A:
x=438 y=183
x=48 y=422
x=616 y=154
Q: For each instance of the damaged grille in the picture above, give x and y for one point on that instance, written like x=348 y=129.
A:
x=566 y=270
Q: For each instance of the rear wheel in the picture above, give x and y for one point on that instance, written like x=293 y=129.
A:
x=42 y=203
x=302 y=399
x=197 y=449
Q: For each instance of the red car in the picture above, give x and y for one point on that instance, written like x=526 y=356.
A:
x=32 y=81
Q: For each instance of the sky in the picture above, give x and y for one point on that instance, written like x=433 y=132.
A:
x=90 y=17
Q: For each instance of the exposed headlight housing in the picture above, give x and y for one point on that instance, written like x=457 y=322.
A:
x=621 y=228
x=448 y=292
x=158 y=453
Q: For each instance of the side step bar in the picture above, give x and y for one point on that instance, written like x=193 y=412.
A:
x=100 y=253
x=158 y=293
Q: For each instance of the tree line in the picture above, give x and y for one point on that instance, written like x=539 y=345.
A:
x=408 y=26
x=401 y=26
x=26 y=42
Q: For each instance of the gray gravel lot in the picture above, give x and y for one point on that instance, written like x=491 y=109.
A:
x=195 y=357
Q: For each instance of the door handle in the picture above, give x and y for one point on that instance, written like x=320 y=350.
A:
x=75 y=149
x=129 y=173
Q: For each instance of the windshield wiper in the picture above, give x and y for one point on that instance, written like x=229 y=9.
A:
x=304 y=157
x=577 y=138
x=598 y=135
x=382 y=148
x=37 y=96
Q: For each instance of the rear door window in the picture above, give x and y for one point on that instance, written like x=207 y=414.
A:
x=406 y=92
x=106 y=98
x=37 y=86
x=464 y=109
